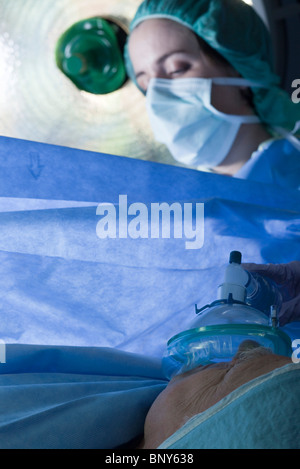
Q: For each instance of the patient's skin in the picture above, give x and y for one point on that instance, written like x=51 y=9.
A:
x=195 y=391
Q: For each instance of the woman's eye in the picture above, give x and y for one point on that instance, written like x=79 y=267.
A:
x=179 y=70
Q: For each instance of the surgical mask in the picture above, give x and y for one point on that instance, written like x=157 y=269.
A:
x=183 y=118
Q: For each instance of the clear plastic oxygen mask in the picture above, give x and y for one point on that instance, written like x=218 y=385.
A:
x=219 y=329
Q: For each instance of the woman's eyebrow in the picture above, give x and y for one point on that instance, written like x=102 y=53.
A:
x=161 y=59
x=139 y=74
x=166 y=56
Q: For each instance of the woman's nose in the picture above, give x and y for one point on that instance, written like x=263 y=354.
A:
x=154 y=74
x=158 y=74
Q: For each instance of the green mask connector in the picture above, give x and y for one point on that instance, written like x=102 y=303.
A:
x=90 y=54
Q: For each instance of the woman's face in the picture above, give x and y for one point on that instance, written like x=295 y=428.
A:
x=161 y=48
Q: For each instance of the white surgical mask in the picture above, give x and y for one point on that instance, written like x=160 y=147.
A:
x=183 y=118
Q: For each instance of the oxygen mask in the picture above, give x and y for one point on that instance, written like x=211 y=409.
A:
x=220 y=328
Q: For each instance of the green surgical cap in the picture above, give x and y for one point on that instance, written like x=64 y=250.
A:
x=235 y=30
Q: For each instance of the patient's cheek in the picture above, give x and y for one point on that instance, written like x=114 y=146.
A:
x=163 y=418
x=183 y=398
x=195 y=392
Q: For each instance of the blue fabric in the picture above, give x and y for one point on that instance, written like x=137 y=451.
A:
x=292 y=329
x=262 y=414
x=74 y=398
x=276 y=162
x=61 y=286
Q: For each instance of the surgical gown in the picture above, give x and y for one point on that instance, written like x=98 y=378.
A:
x=275 y=162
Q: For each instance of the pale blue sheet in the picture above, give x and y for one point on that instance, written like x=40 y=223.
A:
x=74 y=398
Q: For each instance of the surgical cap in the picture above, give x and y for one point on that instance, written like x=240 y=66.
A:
x=235 y=30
